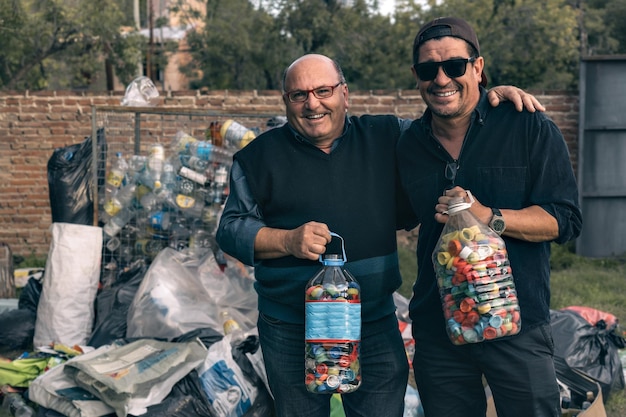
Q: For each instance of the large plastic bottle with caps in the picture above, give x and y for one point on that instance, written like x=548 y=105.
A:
x=475 y=280
x=332 y=328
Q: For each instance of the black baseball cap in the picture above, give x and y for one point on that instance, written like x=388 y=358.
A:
x=447 y=26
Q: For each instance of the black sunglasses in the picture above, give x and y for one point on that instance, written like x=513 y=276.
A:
x=453 y=68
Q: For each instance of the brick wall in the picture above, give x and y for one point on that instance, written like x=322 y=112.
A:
x=32 y=125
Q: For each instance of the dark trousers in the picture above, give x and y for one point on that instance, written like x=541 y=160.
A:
x=519 y=371
x=384 y=371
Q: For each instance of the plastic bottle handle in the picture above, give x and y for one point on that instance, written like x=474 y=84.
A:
x=461 y=206
x=343 y=248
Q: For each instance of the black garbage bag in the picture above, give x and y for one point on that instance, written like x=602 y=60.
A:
x=31 y=292
x=112 y=305
x=70 y=181
x=17 y=329
x=588 y=349
x=263 y=405
x=187 y=398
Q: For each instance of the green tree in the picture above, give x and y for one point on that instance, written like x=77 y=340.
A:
x=602 y=26
x=61 y=43
x=236 y=48
x=48 y=44
x=530 y=43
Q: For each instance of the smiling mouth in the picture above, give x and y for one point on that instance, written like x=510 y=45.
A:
x=446 y=93
x=314 y=116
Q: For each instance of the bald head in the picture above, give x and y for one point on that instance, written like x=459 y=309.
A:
x=309 y=61
x=319 y=111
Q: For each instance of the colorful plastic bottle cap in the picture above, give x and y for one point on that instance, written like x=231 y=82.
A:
x=465 y=252
x=316 y=292
x=332 y=381
x=495 y=321
x=309 y=378
x=472 y=317
x=353 y=293
x=470 y=335
x=467 y=304
x=321 y=368
x=348 y=375
x=333 y=370
x=490 y=333
x=516 y=316
x=454 y=247
x=335 y=352
x=458 y=316
x=468 y=234
x=443 y=258
x=344 y=361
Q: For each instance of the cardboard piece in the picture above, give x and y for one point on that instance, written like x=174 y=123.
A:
x=596 y=409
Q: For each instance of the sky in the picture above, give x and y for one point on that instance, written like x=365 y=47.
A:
x=386 y=6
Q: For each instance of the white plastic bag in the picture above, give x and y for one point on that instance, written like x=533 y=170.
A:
x=171 y=299
x=225 y=385
x=65 y=313
x=141 y=92
x=57 y=391
x=132 y=377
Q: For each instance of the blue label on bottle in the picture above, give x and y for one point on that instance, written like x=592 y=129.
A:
x=332 y=320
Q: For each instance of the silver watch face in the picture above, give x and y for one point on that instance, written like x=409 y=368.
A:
x=497 y=225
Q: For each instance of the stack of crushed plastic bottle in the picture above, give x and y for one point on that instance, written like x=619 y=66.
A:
x=170 y=197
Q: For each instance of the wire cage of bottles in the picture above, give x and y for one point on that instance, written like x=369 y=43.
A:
x=161 y=176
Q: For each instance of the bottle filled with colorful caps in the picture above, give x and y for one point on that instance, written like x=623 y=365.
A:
x=475 y=279
x=333 y=328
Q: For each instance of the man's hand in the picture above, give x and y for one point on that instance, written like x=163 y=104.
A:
x=307 y=241
x=519 y=97
x=481 y=212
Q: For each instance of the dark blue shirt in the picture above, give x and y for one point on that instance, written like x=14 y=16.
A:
x=509 y=160
x=283 y=181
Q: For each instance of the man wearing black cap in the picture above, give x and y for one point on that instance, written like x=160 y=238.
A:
x=519 y=172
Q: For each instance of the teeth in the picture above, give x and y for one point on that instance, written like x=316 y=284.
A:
x=448 y=94
x=315 y=116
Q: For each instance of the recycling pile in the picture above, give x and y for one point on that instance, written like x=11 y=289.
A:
x=170 y=197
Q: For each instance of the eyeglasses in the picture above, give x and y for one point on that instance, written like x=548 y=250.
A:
x=300 y=96
x=453 y=68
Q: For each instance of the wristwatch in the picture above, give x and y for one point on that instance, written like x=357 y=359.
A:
x=497 y=223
